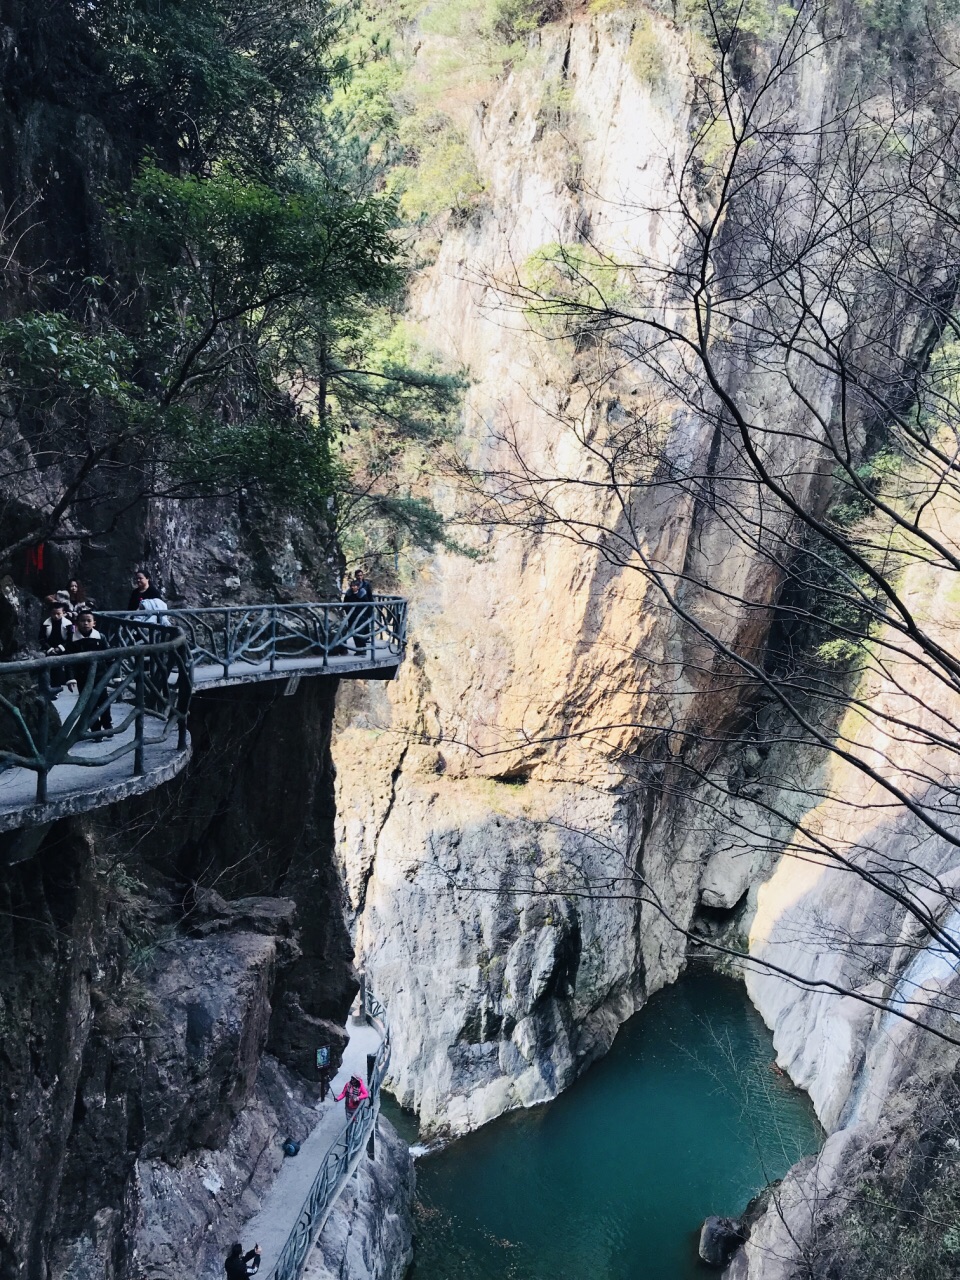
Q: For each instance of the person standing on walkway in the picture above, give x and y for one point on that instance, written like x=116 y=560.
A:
x=79 y=601
x=55 y=636
x=73 y=596
x=354 y=1092
x=143 y=589
x=87 y=639
x=236 y=1264
x=359 y=591
x=56 y=631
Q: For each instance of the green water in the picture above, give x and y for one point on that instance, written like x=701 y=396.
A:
x=683 y=1118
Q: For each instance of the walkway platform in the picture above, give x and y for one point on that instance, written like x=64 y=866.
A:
x=156 y=666
x=77 y=788
x=272 y=1226
x=349 y=666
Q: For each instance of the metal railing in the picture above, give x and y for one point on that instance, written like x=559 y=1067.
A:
x=144 y=680
x=242 y=638
x=342 y=1155
x=141 y=681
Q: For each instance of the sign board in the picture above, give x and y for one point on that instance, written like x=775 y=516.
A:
x=323 y=1058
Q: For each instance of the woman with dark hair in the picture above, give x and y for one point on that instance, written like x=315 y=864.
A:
x=236 y=1263
x=78 y=597
x=142 y=590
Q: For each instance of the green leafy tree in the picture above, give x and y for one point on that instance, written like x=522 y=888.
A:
x=217 y=335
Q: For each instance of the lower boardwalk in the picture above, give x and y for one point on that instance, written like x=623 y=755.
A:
x=282 y=1205
x=76 y=788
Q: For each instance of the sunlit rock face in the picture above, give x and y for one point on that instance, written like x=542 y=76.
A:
x=499 y=995
x=514 y=881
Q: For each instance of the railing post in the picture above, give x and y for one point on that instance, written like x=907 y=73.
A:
x=371 y=1141
x=273 y=636
x=44 y=735
x=226 y=643
x=139 y=705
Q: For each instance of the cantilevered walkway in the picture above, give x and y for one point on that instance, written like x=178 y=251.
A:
x=124 y=731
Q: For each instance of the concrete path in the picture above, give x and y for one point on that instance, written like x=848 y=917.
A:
x=75 y=788
x=281 y=1207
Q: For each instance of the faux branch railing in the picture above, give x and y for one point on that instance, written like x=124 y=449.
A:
x=243 y=638
x=341 y=1156
x=141 y=681
x=146 y=677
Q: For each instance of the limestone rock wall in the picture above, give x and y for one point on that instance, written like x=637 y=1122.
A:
x=515 y=883
x=499 y=996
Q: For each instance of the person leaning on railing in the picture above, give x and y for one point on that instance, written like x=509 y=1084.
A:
x=87 y=639
x=360 y=591
x=353 y=1093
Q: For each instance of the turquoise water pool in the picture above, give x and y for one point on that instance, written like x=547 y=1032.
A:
x=683 y=1118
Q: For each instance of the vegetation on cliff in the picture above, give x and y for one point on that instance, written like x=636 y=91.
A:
x=220 y=313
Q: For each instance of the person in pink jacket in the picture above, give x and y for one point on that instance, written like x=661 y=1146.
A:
x=354 y=1091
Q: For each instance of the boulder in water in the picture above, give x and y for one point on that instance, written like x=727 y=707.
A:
x=720 y=1238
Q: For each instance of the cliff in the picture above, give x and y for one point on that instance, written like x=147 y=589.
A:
x=171 y=963
x=518 y=879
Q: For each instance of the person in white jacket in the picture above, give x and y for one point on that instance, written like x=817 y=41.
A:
x=56 y=633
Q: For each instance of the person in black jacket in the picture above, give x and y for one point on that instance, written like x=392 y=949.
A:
x=87 y=639
x=143 y=589
x=359 y=591
x=54 y=638
x=236 y=1263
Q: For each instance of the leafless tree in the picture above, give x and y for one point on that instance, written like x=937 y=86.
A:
x=783 y=371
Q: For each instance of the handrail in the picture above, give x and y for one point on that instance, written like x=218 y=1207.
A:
x=341 y=1156
x=144 y=676
x=240 y=639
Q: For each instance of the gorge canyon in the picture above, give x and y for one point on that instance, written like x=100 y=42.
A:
x=625 y=737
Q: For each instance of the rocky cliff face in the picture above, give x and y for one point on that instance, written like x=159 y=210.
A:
x=884 y=1087
x=495 y=849
x=496 y=877
x=170 y=964
x=500 y=995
